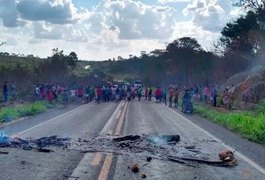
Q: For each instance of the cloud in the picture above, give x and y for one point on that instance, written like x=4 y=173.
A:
x=204 y=37
x=134 y=19
x=8 y=13
x=208 y=14
x=53 y=11
x=44 y=30
x=109 y=29
x=172 y=1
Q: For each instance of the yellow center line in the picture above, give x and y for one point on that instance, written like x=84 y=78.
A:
x=105 y=168
x=96 y=159
x=108 y=160
x=121 y=120
x=98 y=156
x=118 y=114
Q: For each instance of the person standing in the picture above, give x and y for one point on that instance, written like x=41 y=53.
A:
x=165 y=96
x=206 y=93
x=171 y=94
x=150 y=93
x=139 y=93
x=146 y=93
x=214 y=95
x=87 y=94
x=5 y=92
x=99 y=94
x=176 y=97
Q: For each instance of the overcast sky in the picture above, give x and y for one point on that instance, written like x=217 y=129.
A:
x=103 y=29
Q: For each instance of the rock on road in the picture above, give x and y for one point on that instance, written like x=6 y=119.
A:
x=123 y=118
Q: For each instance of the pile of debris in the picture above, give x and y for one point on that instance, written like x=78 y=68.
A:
x=40 y=144
x=161 y=147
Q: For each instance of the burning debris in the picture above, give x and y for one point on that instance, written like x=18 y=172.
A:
x=161 y=147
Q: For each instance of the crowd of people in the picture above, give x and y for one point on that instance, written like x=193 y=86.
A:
x=54 y=92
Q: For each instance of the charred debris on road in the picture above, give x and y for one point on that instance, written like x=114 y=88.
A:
x=161 y=147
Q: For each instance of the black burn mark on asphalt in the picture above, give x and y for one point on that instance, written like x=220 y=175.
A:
x=161 y=147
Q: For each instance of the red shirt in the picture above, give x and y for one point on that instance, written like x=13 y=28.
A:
x=99 y=92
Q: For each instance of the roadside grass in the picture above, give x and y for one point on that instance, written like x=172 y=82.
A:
x=250 y=125
x=17 y=111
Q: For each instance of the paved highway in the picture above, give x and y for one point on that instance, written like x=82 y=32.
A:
x=123 y=118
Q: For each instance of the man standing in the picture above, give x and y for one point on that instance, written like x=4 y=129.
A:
x=5 y=91
x=139 y=93
x=171 y=94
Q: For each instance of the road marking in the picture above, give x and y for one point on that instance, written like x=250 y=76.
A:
x=38 y=125
x=108 y=160
x=98 y=155
x=246 y=159
x=96 y=159
x=106 y=128
x=105 y=168
x=118 y=114
x=121 y=120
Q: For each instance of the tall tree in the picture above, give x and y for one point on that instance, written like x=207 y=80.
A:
x=72 y=60
x=182 y=52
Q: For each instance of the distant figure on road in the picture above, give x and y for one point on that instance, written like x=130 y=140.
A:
x=176 y=97
x=171 y=95
x=165 y=96
x=139 y=93
x=99 y=94
x=146 y=93
x=158 y=94
x=87 y=94
x=150 y=94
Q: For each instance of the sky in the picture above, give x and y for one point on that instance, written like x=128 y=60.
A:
x=104 y=29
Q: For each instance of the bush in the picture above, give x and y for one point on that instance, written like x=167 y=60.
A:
x=11 y=113
x=261 y=107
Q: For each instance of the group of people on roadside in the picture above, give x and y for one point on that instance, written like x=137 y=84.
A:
x=166 y=95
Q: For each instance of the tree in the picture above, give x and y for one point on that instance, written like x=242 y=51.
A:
x=72 y=60
x=183 y=54
x=245 y=37
x=185 y=43
x=236 y=36
x=250 y=4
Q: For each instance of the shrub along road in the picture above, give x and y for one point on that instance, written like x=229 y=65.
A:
x=122 y=118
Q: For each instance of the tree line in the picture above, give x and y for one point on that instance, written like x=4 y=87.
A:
x=183 y=61
x=240 y=47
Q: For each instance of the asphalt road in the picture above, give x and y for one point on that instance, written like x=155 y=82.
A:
x=118 y=119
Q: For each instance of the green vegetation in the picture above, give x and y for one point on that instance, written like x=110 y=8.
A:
x=250 y=125
x=11 y=113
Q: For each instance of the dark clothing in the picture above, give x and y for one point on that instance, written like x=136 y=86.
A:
x=5 y=92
